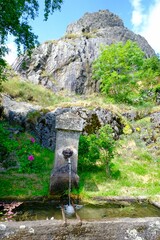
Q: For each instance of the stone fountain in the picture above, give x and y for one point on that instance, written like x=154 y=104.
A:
x=68 y=129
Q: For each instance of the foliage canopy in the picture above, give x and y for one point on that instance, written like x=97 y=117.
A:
x=14 y=20
x=125 y=72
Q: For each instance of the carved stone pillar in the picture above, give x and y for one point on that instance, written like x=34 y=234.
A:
x=68 y=127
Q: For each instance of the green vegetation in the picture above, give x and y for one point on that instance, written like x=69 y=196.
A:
x=125 y=74
x=71 y=36
x=29 y=165
x=129 y=166
x=29 y=92
x=134 y=167
x=14 y=18
x=78 y=35
x=25 y=91
x=97 y=151
x=139 y=167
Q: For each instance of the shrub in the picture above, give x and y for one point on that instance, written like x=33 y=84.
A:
x=124 y=72
x=97 y=150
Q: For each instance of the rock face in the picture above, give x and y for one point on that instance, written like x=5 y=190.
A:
x=42 y=123
x=15 y=111
x=66 y=64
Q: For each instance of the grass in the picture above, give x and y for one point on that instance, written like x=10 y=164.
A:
x=139 y=164
x=140 y=173
x=27 y=181
x=22 y=186
x=22 y=90
x=139 y=168
x=28 y=92
x=136 y=180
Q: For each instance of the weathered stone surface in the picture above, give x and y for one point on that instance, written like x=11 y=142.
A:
x=15 y=111
x=113 y=229
x=42 y=123
x=69 y=122
x=158 y=96
x=155 y=118
x=68 y=127
x=66 y=64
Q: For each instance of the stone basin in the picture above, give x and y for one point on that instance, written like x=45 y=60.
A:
x=113 y=229
x=124 y=228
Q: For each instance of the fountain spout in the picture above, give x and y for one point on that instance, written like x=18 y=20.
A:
x=67 y=153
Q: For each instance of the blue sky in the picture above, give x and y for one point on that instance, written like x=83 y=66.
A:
x=140 y=16
x=71 y=11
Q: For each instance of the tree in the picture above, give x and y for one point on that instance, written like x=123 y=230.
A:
x=122 y=70
x=14 y=18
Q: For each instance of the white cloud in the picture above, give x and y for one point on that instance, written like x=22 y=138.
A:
x=151 y=29
x=12 y=54
x=137 y=18
x=146 y=22
x=137 y=13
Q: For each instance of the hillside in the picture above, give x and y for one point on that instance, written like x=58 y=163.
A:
x=136 y=155
x=58 y=78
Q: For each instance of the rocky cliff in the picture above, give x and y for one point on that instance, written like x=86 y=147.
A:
x=66 y=64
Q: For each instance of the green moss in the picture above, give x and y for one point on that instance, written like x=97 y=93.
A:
x=33 y=116
x=49 y=76
x=71 y=36
x=92 y=125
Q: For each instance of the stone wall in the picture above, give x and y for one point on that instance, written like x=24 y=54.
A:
x=113 y=229
x=42 y=123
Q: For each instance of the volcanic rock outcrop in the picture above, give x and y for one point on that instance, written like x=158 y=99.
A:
x=66 y=64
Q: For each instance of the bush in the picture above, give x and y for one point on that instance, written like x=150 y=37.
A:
x=124 y=72
x=97 y=151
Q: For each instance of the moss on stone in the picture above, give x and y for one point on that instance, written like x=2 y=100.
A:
x=127 y=129
x=92 y=124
